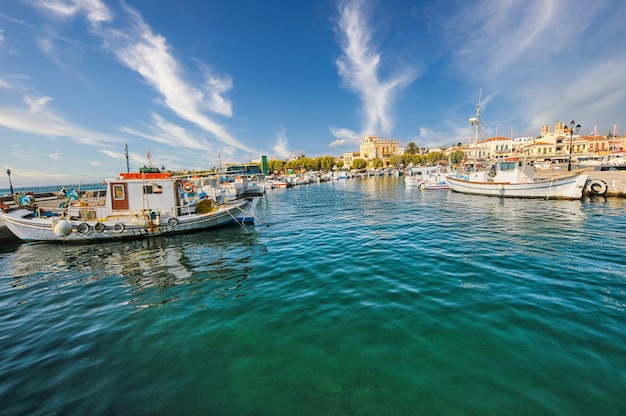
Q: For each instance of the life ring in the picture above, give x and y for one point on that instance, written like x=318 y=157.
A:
x=83 y=228
x=172 y=222
x=99 y=227
x=492 y=172
x=596 y=187
x=188 y=188
x=119 y=227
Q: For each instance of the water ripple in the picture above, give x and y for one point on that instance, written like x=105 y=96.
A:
x=361 y=297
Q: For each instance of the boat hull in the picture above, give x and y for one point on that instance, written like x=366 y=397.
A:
x=27 y=227
x=569 y=187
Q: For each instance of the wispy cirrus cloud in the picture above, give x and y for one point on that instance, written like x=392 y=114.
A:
x=544 y=57
x=164 y=132
x=360 y=68
x=131 y=40
x=49 y=123
x=281 y=148
x=148 y=53
x=95 y=10
x=344 y=137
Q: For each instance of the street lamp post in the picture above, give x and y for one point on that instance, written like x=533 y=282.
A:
x=572 y=126
x=10 y=184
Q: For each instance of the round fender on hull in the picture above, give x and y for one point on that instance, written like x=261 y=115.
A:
x=172 y=222
x=119 y=227
x=62 y=228
x=99 y=227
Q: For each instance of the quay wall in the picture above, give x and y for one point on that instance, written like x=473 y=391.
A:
x=614 y=179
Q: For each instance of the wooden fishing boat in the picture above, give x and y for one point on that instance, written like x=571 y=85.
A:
x=135 y=205
x=515 y=179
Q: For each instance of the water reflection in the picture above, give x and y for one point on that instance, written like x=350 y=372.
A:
x=155 y=271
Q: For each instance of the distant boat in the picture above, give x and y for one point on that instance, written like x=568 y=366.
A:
x=613 y=161
x=135 y=205
x=426 y=177
x=436 y=186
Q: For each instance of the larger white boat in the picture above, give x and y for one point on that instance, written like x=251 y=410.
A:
x=135 y=205
x=516 y=179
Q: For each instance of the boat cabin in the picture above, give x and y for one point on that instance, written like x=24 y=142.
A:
x=508 y=171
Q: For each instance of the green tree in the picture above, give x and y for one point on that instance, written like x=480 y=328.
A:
x=359 y=163
x=275 y=165
x=377 y=162
x=457 y=156
x=327 y=163
x=412 y=148
x=397 y=160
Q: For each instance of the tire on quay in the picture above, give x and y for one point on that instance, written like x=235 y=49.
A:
x=596 y=187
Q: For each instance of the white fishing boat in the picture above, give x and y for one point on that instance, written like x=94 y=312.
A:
x=135 y=205
x=515 y=179
x=426 y=177
x=441 y=185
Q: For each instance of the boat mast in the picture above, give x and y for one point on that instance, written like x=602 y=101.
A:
x=127 y=163
x=476 y=123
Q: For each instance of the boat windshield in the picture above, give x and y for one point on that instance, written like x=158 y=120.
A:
x=504 y=166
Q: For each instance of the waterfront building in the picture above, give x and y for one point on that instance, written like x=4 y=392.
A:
x=349 y=157
x=497 y=146
x=539 y=149
x=374 y=147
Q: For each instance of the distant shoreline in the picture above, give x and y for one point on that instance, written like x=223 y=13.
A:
x=6 y=192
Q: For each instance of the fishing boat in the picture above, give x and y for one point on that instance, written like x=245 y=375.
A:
x=135 y=205
x=5 y=233
x=515 y=179
x=426 y=177
x=437 y=185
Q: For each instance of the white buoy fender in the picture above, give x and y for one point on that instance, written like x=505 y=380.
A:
x=62 y=228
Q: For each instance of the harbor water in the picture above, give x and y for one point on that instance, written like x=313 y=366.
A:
x=361 y=297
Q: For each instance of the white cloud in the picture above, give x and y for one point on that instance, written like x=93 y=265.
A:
x=141 y=50
x=49 y=124
x=281 y=148
x=359 y=68
x=134 y=44
x=345 y=137
x=55 y=156
x=95 y=10
x=546 y=60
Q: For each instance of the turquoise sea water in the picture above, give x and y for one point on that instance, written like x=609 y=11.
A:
x=361 y=298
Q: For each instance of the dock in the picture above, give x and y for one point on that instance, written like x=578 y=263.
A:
x=614 y=179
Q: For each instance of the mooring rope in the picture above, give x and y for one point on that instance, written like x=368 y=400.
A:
x=253 y=216
x=234 y=218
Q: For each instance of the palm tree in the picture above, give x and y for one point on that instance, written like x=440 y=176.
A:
x=412 y=148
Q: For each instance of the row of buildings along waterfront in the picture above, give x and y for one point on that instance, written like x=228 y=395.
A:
x=555 y=145
x=549 y=145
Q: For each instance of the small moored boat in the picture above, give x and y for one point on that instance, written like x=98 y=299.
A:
x=135 y=205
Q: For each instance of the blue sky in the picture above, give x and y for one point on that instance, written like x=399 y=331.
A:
x=190 y=80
